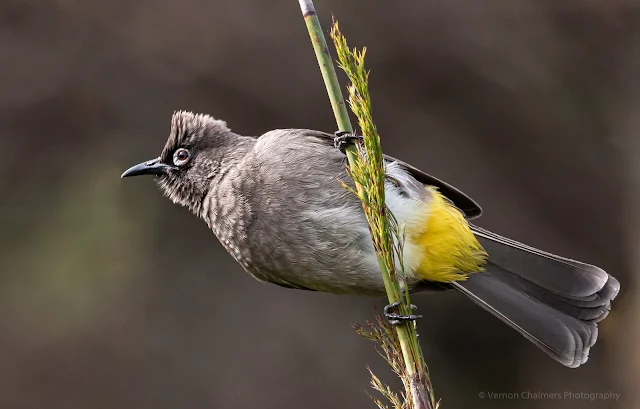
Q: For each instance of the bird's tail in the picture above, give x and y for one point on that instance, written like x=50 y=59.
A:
x=553 y=301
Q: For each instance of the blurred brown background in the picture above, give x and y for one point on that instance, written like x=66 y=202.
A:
x=112 y=297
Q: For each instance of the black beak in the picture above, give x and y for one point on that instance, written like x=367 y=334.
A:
x=151 y=167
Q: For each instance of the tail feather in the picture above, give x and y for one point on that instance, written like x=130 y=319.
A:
x=542 y=268
x=593 y=309
x=553 y=301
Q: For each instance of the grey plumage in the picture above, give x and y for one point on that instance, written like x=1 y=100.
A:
x=276 y=205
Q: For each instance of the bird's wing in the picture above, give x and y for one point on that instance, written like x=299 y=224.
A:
x=467 y=205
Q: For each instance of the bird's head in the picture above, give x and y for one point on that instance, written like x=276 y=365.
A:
x=190 y=159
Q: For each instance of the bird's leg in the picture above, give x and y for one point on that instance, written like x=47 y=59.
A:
x=343 y=139
x=395 y=318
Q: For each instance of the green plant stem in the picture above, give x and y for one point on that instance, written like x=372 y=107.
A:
x=326 y=65
x=422 y=395
x=328 y=74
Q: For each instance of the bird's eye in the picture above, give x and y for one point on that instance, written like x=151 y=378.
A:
x=181 y=156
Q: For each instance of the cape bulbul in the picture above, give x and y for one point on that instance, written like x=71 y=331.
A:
x=276 y=205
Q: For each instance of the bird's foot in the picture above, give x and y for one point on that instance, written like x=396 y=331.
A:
x=343 y=139
x=395 y=318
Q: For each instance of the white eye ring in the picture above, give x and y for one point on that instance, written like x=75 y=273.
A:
x=181 y=156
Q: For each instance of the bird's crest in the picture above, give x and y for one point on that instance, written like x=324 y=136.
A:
x=188 y=127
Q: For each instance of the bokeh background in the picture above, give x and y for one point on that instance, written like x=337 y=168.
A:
x=112 y=297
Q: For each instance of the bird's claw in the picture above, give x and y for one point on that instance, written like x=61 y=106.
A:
x=395 y=318
x=343 y=139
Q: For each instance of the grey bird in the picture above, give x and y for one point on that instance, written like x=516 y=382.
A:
x=276 y=204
